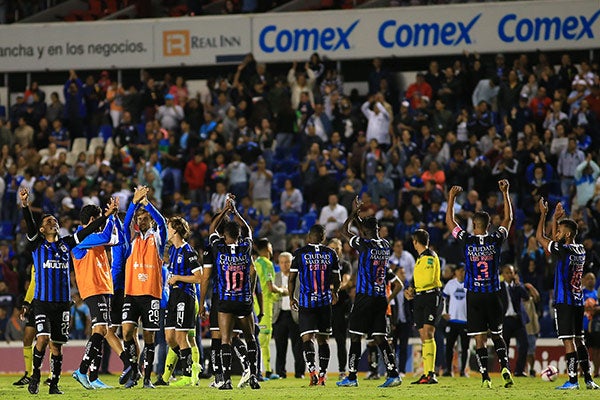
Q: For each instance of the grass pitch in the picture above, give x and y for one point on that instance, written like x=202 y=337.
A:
x=448 y=388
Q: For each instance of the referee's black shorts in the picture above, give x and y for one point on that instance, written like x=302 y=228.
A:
x=427 y=307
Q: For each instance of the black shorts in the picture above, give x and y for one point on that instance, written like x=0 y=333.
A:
x=181 y=311
x=99 y=306
x=484 y=312
x=29 y=317
x=52 y=319
x=214 y=317
x=315 y=320
x=568 y=321
x=146 y=308
x=368 y=316
x=236 y=308
x=427 y=308
x=116 y=307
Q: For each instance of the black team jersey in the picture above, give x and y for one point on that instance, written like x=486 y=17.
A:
x=570 y=259
x=314 y=264
x=184 y=261
x=232 y=264
x=373 y=262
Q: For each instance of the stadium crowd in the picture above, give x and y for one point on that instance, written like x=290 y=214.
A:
x=297 y=149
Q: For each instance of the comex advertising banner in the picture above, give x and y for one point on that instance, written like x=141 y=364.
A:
x=284 y=37
x=118 y=44
x=432 y=30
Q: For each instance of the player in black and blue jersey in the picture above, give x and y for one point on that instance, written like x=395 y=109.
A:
x=185 y=272
x=368 y=315
x=232 y=259
x=482 y=280
x=51 y=300
x=568 y=291
x=317 y=267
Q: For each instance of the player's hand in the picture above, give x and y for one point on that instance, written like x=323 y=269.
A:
x=172 y=280
x=294 y=304
x=24 y=310
x=409 y=293
x=559 y=211
x=446 y=317
x=260 y=316
x=454 y=190
x=202 y=313
x=139 y=193
x=24 y=194
x=503 y=185
x=543 y=206
x=357 y=204
x=334 y=297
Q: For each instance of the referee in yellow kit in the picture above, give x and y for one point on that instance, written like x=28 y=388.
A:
x=426 y=291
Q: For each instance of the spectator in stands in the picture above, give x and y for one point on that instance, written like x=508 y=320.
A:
x=170 y=115
x=24 y=134
x=319 y=121
x=381 y=186
x=260 y=187
x=80 y=318
x=274 y=229
x=417 y=90
x=75 y=109
x=585 y=176
x=15 y=327
x=301 y=82
x=568 y=161
x=291 y=198
x=333 y=216
x=486 y=90
x=59 y=135
x=55 y=109
x=195 y=177
x=179 y=91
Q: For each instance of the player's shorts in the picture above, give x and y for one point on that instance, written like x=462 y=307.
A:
x=427 y=308
x=213 y=317
x=116 y=307
x=315 y=320
x=568 y=321
x=181 y=311
x=236 y=308
x=146 y=308
x=52 y=319
x=484 y=312
x=368 y=316
x=99 y=306
x=29 y=317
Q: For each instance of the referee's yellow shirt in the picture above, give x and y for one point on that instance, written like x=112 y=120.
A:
x=427 y=272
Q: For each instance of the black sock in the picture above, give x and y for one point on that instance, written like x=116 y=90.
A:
x=324 y=355
x=353 y=360
x=240 y=351
x=186 y=356
x=252 y=355
x=215 y=356
x=124 y=356
x=571 y=359
x=500 y=347
x=131 y=350
x=148 y=360
x=584 y=361
x=38 y=358
x=482 y=361
x=226 y=360
x=389 y=358
x=55 y=368
x=373 y=359
x=308 y=349
x=95 y=365
x=93 y=346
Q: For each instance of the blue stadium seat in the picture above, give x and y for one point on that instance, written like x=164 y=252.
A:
x=7 y=230
x=106 y=132
x=3 y=111
x=291 y=220
x=519 y=218
x=306 y=222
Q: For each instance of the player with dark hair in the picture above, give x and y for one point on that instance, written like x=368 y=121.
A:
x=371 y=302
x=52 y=296
x=143 y=282
x=568 y=291
x=317 y=267
x=185 y=272
x=94 y=281
x=425 y=289
x=232 y=259
x=482 y=280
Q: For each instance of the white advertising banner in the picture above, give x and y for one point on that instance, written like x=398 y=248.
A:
x=431 y=30
x=284 y=37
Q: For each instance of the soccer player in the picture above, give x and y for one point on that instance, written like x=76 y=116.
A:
x=52 y=296
x=568 y=292
x=266 y=275
x=317 y=268
x=371 y=302
x=186 y=271
x=143 y=282
x=29 y=331
x=94 y=281
x=482 y=280
x=456 y=304
x=425 y=290
x=232 y=258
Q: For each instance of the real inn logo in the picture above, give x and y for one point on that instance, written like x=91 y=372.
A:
x=176 y=43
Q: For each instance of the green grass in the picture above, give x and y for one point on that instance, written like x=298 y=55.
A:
x=448 y=389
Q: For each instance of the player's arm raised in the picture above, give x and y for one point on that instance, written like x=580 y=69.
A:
x=559 y=213
x=246 y=230
x=450 y=221
x=540 y=234
x=356 y=205
x=508 y=210
x=216 y=221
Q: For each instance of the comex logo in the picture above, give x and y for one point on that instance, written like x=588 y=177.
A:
x=510 y=28
x=425 y=34
x=176 y=43
x=284 y=40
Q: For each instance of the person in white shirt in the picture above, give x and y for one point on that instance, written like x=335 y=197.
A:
x=332 y=216
x=401 y=258
x=456 y=315
x=378 y=127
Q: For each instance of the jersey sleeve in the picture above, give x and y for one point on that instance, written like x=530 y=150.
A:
x=207 y=258
x=500 y=235
x=355 y=242
x=447 y=290
x=460 y=234
x=192 y=259
x=213 y=238
x=295 y=263
x=390 y=276
x=557 y=249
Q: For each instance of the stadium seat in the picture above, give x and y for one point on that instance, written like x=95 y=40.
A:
x=95 y=142
x=71 y=158
x=109 y=147
x=44 y=152
x=106 y=132
x=291 y=220
x=306 y=222
x=79 y=145
x=7 y=230
x=2 y=111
